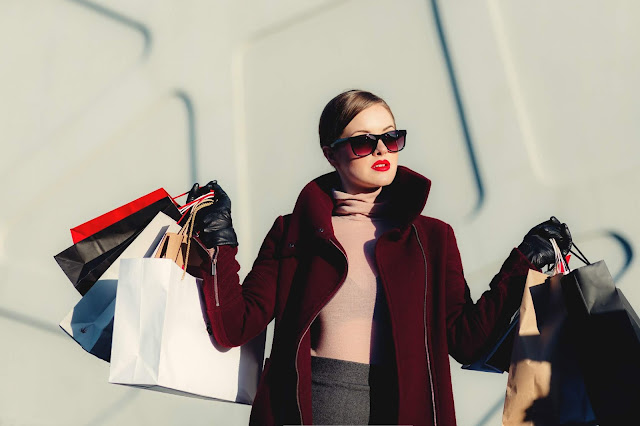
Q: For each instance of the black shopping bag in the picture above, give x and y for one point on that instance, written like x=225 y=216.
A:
x=90 y=322
x=86 y=261
x=498 y=357
x=606 y=333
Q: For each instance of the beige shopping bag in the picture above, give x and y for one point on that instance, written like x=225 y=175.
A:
x=544 y=385
x=178 y=246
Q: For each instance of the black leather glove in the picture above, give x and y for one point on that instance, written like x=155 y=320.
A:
x=537 y=247
x=213 y=223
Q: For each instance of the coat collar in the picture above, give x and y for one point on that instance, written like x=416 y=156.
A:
x=312 y=212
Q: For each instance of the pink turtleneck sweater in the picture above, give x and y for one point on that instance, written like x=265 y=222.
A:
x=354 y=325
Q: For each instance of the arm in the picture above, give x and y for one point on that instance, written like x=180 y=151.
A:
x=240 y=312
x=237 y=313
x=471 y=327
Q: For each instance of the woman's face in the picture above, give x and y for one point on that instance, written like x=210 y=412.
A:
x=365 y=174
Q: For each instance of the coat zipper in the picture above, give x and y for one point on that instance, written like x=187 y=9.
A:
x=424 y=258
x=309 y=325
x=214 y=272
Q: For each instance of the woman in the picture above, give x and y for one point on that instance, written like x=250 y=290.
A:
x=368 y=296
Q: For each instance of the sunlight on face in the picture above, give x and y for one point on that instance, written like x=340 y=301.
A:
x=365 y=174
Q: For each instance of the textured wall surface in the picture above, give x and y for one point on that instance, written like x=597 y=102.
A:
x=516 y=110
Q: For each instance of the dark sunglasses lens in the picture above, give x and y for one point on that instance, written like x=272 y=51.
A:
x=362 y=145
x=394 y=141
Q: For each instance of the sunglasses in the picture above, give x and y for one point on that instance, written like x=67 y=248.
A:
x=363 y=145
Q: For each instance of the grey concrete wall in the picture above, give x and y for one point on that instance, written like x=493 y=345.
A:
x=516 y=110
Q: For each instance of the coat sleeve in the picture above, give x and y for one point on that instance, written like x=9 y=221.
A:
x=473 y=327
x=237 y=312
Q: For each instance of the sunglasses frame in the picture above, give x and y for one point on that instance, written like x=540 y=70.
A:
x=370 y=137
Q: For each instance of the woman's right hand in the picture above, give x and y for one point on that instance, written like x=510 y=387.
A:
x=213 y=223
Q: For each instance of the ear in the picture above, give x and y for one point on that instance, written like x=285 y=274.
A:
x=330 y=155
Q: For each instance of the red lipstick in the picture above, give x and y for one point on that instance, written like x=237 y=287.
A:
x=381 y=166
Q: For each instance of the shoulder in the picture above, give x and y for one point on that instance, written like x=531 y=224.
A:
x=434 y=230
x=280 y=235
x=437 y=234
x=431 y=224
x=286 y=220
x=281 y=224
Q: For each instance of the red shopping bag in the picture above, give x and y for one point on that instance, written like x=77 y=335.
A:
x=93 y=226
x=81 y=232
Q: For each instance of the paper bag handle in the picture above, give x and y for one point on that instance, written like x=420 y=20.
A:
x=190 y=223
x=560 y=262
x=185 y=231
x=561 y=266
x=582 y=257
x=183 y=209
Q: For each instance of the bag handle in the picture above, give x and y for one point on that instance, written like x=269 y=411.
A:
x=582 y=257
x=188 y=228
x=185 y=232
x=560 y=259
x=561 y=266
x=186 y=207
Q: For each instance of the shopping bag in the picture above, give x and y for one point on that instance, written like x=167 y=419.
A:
x=498 y=357
x=89 y=228
x=161 y=342
x=606 y=332
x=545 y=386
x=90 y=322
x=177 y=246
x=86 y=261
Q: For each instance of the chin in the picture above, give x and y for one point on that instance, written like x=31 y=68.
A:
x=382 y=178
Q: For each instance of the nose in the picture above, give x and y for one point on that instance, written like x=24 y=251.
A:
x=381 y=148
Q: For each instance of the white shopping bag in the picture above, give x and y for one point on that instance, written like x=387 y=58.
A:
x=160 y=338
x=90 y=322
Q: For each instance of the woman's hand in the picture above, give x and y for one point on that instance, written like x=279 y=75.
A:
x=213 y=223
x=537 y=247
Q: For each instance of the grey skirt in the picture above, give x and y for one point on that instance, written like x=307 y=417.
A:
x=352 y=393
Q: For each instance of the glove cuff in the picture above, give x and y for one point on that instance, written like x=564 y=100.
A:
x=221 y=237
x=526 y=249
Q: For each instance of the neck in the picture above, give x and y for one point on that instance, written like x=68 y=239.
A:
x=347 y=188
x=362 y=203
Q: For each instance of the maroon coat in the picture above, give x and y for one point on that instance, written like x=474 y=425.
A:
x=301 y=265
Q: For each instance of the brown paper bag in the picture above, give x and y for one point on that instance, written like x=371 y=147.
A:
x=178 y=246
x=174 y=246
x=544 y=385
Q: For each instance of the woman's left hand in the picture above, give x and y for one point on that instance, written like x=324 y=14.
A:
x=537 y=247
